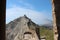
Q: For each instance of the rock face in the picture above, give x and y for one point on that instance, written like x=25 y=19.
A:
x=22 y=29
x=56 y=18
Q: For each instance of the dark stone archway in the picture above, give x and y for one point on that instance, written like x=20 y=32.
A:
x=56 y=18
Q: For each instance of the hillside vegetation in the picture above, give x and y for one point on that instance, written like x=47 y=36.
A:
x=46 y=32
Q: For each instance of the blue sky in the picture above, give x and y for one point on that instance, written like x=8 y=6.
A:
x=37 y=10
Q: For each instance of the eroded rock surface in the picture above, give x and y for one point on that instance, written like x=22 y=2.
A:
x=22 y=29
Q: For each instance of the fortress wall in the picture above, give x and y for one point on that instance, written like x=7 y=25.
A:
x=56 y=18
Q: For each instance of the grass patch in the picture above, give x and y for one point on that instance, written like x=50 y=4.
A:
x=46 y=32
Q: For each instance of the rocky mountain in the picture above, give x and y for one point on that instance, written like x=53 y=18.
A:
x=16 y=29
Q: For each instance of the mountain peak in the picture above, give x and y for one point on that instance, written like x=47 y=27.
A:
x=19 y=26
x=25 y=16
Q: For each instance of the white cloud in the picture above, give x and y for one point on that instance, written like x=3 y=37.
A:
x=15 y=12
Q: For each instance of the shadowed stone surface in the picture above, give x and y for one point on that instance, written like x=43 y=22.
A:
x=56 y=19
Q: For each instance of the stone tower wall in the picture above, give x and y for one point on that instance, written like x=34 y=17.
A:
x=56 y=18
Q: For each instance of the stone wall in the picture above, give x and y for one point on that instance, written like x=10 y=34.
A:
x=56 y=18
